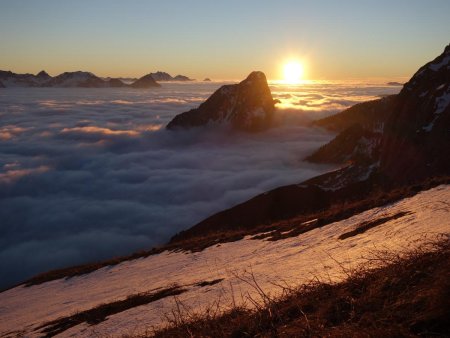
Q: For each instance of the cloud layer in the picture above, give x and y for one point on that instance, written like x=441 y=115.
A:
x=88 y=174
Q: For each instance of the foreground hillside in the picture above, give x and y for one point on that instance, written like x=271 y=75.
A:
x=137 y=295
x=407 y=297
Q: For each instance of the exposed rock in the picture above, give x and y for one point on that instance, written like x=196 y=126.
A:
x=10 y=79
x=361 y=129
x=75 y=79
x=246 y=106
x=355 y=144
x=115 y=83
x=43 y=75
x=146 y=81
x=207 y=79
x=181 y=78
x=163 y=76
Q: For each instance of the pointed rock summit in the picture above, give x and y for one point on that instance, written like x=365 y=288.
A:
x=146 y=81
x=247 y=106
x=43 y=75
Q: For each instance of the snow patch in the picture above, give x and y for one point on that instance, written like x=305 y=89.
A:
x=442 y=103
x=435 y=67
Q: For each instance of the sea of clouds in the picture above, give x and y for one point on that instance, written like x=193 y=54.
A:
x=89 y=174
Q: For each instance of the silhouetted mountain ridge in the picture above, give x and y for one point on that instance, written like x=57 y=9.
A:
x=163 y=76
x=71 y=79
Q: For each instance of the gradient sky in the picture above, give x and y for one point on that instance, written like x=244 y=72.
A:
x=223 y=39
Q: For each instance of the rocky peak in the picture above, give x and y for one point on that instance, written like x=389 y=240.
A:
x=75 y=79
x=43 y=75
x=6 y=74
x=161 y=76
x=431 y=75
x=181 y=78
x=247 y=105
x=115 y=83
x=147 y=81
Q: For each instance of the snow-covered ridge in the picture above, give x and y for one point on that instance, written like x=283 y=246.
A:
x=318 y=253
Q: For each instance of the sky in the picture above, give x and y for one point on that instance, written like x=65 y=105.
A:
x=223 y=40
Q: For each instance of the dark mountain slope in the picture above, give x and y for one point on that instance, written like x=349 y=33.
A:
x=369 y=115
x=417 y=137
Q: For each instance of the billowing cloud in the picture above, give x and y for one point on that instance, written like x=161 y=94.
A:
x=89 y=174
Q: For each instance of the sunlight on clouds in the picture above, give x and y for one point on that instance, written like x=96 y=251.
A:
x=11 y=175
x=10 y=131
x=99 y=130
x=150 y=127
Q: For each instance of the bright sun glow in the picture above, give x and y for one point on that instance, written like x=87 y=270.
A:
x=293 y=72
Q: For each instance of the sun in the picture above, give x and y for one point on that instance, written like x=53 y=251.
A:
x=293 y=72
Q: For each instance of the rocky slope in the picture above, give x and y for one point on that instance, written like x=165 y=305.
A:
x=75 y=79
x=413 y=124
x=10 y=79
x=146 y=81
x=163 y=76
x=245 y=106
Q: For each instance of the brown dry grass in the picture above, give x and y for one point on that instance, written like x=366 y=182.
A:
x=408 y=296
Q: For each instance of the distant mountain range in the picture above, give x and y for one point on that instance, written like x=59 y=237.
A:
x=163 y=76
x=83 y=80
